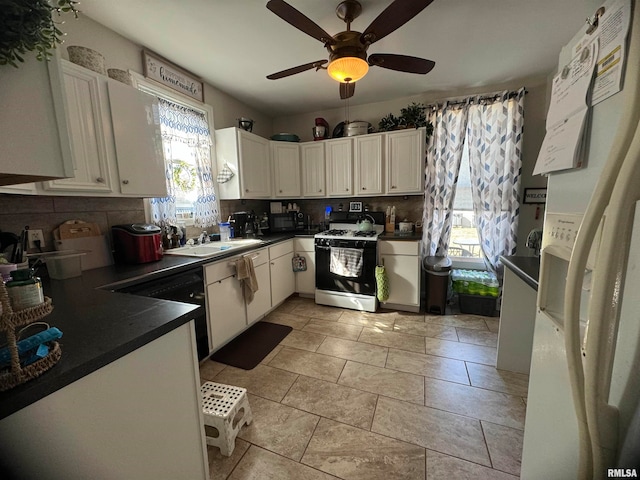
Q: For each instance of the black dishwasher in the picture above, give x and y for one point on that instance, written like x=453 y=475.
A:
x=187 y=287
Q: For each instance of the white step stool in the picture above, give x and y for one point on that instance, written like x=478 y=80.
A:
x=226 y=409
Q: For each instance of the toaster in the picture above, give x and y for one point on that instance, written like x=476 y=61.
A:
x=137 y=243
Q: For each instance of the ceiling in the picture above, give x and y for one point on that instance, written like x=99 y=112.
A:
x=234 y=44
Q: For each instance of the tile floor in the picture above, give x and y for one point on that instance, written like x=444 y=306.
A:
x=390 y=395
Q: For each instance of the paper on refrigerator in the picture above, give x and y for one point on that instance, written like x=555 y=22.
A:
x=612 y=29
x=565 y=140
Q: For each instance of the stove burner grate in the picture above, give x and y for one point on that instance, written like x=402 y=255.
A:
x=370 y=233
x=336 y=232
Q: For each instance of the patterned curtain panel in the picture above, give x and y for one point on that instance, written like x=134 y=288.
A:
x=186 y=141
x=494 y=135
x=444 y=153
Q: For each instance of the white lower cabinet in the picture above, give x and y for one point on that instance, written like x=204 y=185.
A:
x=306 y=281
x=261 y=302
x=228 y=311
x=132 y=400
x=402 y=264
x=225 y=302
x=283 y=280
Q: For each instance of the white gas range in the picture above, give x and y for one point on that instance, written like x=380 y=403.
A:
x=346 y=258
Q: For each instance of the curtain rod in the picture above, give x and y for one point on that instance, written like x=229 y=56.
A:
x=479 y=98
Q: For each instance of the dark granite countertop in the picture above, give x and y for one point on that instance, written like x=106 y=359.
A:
x=412 y=237
x=526 y=268
x=100 y=326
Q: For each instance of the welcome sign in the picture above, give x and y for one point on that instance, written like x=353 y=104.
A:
x=164 y=72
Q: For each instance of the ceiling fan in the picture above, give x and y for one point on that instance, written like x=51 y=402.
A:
x=348 y=60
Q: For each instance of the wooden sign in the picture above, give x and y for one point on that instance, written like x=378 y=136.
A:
x=535 y=195
x=172 y=76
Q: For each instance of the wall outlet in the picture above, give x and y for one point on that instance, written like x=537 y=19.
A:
x=34 y=235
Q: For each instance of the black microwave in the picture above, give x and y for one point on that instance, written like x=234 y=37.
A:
x=286 y=222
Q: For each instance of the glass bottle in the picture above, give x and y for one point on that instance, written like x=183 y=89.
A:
x=24 y=289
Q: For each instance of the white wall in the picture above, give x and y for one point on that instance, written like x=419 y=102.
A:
x=535 y=109
x=119 y=52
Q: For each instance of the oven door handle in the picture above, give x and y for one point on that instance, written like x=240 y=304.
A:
x=320 y=247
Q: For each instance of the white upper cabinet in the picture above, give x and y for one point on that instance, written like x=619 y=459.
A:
x=285 y=158
x=339 y=155
x=138 y=141
x=248 y=156
x=33 y=133
x=114 y=136
x=313 y=169
x=368 y=165
x=405 y=161
x=89 y=124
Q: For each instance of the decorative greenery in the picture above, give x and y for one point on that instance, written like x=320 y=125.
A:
x=184 y=175
x=412 y=116
x=390 y=122
x=28 y=25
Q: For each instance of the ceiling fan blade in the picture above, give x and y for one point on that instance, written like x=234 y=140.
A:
x=300 y=21
x=401 y=63
x=392 y=18
x=347 y=90
x=298 y=69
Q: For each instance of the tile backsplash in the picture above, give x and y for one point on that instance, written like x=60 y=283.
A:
x=48 y=212
x=409 y=207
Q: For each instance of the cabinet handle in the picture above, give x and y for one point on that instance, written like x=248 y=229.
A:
x=364 y=188
x=346 y=189
x=246 y=190
x=100 y=180
x=320 y=190
x=393 y=186
x=125 y=182
x=280 y=191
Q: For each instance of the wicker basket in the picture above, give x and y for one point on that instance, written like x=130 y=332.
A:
x=9 y=322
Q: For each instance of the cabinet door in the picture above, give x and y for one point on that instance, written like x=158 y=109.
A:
x=283 y=280
x=368 y=165
x=405 y=161
x=313 y=169
x=339 y=167
x=225 y=311
x=403 y=272
x=262 y=298
x=255 y=168
x=21 y=188
x=33 y=132
x=136 y=129
x=306 y=281
x=90 y=136
x=286 y=169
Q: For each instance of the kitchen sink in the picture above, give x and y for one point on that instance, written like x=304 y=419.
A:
x=213 y=248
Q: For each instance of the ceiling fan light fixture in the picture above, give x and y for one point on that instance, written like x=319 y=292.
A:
x=347 y=69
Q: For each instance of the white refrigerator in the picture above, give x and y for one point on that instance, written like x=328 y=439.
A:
x=583 y=413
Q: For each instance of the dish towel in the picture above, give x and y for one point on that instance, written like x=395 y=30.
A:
x=247 y=275
x=346 y=262
x=382 y=282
